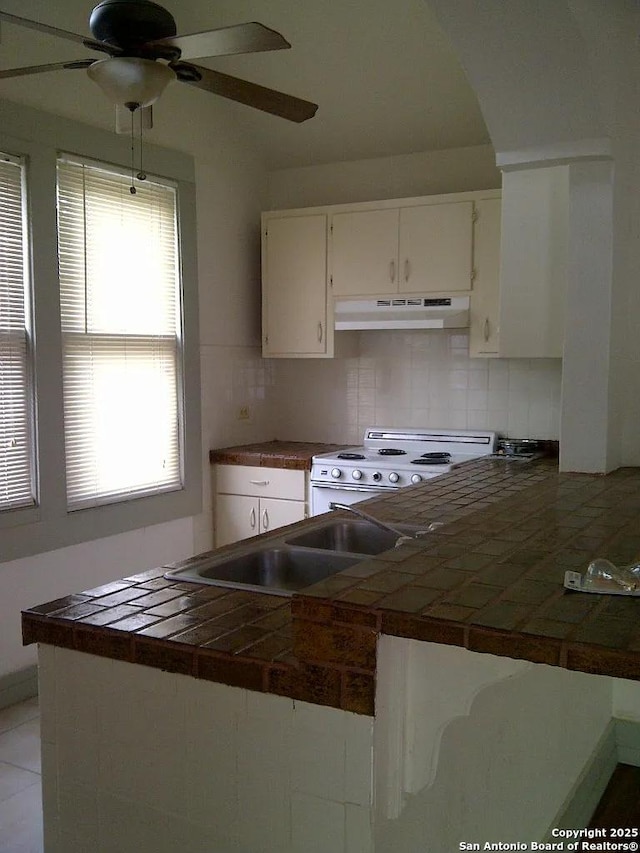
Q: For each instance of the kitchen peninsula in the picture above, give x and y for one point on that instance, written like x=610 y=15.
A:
x=324 y=691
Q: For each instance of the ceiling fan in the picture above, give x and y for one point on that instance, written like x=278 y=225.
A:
x=144 y=54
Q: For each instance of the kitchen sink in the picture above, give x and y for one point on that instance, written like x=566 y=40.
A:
x=355 y=537
x=279 y=570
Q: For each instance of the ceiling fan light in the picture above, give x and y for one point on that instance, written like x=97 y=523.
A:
x=130 y=79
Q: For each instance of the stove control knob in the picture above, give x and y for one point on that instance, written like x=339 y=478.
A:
x=356 y=474
x=377 y=476
x=336 y=473
x=416 y=478
x=393 y=477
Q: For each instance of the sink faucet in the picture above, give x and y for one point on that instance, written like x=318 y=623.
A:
x=402 y=537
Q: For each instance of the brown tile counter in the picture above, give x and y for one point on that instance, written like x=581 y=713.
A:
x=489 y=580
x=271 y=454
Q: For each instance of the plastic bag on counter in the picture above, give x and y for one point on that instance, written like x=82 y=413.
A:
x=604 y=577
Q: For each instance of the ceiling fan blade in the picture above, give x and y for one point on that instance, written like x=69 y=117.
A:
x=55 y=31
x=38 y=69
x=267 y=100
x=225 y=41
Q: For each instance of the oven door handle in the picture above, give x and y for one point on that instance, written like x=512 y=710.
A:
x=344 y=488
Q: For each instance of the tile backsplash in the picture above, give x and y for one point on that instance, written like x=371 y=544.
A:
x=415 y=378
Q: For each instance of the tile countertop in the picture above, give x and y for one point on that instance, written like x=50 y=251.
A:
x=490 y=580
x=272 y=454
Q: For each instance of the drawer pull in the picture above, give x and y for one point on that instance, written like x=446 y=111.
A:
x=252 y=519
x=259 y=482
x=265 y=520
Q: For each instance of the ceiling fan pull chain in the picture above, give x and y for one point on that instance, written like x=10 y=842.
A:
x=132 y=188
x=142 y=175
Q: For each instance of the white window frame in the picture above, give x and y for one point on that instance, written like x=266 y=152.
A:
x=40 y=138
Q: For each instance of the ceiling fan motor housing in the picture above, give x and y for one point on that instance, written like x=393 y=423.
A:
x=129 y=23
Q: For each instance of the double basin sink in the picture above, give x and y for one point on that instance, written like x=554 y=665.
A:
x=292 y=562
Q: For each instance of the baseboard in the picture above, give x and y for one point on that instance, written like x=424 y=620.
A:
x=18 y=686
x=628 y=741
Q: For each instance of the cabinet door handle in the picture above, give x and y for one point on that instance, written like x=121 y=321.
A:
x=392 y=271
x=320 y=333
x=265 y=520
x=487 y=330
x=407 y=269
x=252 y=519
x=259 y=482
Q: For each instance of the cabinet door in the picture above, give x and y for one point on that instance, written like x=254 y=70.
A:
x=436 y=247
x=237 y=517
x=364 y=252
x=276 y=513
x=294 y=280
x=484 y=331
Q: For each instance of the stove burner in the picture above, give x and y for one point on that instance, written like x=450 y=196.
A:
x=432 y=459
x=350 y=455
x=392 y=451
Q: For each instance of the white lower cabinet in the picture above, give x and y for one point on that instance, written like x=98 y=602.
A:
x=252 y=500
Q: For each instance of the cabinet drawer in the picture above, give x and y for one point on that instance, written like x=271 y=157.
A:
x=254 y=480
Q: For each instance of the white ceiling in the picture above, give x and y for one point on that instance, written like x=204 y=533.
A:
x=384 y=76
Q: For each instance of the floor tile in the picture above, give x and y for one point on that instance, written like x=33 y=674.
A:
x=20 y=782
x=15 y=715
x=21 y=822
x=15 y=779
x=20 y=746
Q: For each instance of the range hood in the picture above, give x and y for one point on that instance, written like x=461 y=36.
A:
x=414 y=312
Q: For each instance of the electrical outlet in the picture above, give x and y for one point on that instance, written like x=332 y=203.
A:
x=243 y=413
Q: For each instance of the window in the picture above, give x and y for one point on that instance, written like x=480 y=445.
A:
x=17 y=474
x=100 y=429
x=121 y=335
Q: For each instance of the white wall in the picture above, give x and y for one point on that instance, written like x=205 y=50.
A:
x=510 y=754
x=201 y=766
x=422 y=173
x=45 y=577
x=411 y=378
x=563 y=86
x=198 y=767
x=422 y=379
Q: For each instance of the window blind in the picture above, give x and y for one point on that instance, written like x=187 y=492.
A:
x=121 y=320
x=17 y=476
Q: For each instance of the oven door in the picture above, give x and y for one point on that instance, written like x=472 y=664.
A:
x=322 y=494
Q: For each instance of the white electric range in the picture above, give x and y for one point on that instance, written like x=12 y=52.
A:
x=391 y=458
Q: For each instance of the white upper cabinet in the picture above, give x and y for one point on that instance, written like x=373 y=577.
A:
x=507 y=251
x=533 y=268
x=364 y=252
x=294 y=286
x=518 y=298
x=484 y=331
x=417 y=248
x=436 y=247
